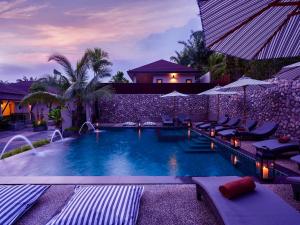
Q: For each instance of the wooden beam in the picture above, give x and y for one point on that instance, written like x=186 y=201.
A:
x=280 y=4
x=5 y=107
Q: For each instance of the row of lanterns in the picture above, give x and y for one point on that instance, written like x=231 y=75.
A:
x=264 y=165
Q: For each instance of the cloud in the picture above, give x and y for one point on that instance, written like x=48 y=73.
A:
x=17 y=9
x=132 y=31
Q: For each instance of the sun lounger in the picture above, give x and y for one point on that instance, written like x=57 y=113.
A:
x=129 y=124
x=250 y=125
x=295 y=182
x=262 y=207
x=101 y=205
x=233 y=122
x=183 y=118
x=262 y=132
x=296 y=159
x=167 y=120
x=149 y=124
x=17 y=199
x=221 y=121
x=274 y=148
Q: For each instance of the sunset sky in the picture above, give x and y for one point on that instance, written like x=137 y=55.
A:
x=133 y=32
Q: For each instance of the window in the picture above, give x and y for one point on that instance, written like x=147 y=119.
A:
x=188 y=81
x=159 y=81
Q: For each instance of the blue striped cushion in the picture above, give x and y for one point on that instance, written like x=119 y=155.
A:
x=16 y=200
x=95 y=205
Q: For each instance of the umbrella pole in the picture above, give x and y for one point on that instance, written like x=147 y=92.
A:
x=244 y=116
x=218 y=112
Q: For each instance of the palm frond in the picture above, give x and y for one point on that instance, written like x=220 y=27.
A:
x=42 y=97
x=65 y=63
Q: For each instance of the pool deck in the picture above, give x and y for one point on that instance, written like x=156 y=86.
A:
x=284 y=164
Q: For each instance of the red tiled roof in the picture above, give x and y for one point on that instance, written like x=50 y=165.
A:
x=162 y=66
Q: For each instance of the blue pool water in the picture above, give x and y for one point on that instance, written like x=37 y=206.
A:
x=129 y=152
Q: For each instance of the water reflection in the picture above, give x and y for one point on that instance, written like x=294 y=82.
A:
x=173 y=165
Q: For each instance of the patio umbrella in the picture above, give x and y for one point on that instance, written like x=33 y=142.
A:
x=290 y=72
x=215 y=91
x=252 y=29
x=174 y=94
x=243 y=84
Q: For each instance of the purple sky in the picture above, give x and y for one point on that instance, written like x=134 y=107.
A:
x=133 y=32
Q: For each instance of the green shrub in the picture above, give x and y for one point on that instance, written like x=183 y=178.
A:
x=75 y=129
x=25 y=148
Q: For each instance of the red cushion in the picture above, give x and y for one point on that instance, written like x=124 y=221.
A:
x=237 y=188
x=284 y=139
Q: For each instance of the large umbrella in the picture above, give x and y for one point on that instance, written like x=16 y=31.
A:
x=252 y=29
x=174 y=94
x=216 y=91
x=290 y=72
x=243 y=84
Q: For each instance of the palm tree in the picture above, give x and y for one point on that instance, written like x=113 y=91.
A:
x=181 y=58
x=119 y=78
x=73 y=85
x=99 y=63
x=216 y=65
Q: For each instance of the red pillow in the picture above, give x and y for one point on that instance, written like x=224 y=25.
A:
x=237 y=188
x=284 y=139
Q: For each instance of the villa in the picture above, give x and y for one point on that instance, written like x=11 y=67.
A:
x=172 y=147
x=163 y=71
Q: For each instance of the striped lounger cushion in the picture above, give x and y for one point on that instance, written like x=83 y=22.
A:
x=16 y=200
x=95 y=205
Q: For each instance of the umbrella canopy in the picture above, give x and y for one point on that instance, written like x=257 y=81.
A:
x=174 y=94
x=215 y=91
x=243 y=83
x=252 y=29
x=290 y=72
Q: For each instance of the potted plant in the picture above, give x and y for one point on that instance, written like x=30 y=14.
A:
x=55 y=115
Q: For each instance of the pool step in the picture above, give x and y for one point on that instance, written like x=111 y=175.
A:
x=199 y=150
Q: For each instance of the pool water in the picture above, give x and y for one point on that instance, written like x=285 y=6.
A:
x=133 y=152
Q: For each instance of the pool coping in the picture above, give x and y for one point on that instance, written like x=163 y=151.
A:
x=95 y=180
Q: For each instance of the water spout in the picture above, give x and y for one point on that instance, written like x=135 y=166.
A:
x=14 y=138
x=89 y=125
x=54 y=135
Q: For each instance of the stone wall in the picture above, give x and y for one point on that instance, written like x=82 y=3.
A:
x=149 y=107
x=280 y=103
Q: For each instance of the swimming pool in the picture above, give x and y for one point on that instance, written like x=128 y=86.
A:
x=132 y=152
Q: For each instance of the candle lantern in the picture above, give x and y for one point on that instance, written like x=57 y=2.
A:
x=235 y=142
x=212 y=132
x=264 y=165
x=139 y=125
x=189 y=124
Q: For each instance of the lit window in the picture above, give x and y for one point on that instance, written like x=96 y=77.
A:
x=159 y=81
x=189 y=81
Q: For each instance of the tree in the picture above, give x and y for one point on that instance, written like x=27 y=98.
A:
x=194 y=53
x=74 y=85
x=119 y=78
x=25 y=78
x=216 y=65
x=100 y=65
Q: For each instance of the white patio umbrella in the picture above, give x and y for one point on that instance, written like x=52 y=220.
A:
x=215 y=91
x=243 y=84
x=174 y=94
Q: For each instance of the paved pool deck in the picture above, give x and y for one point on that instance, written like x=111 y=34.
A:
x=247 y=147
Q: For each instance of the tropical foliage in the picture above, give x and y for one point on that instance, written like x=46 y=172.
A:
x=196 y=55
x=74 y=84
x=119 y=78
